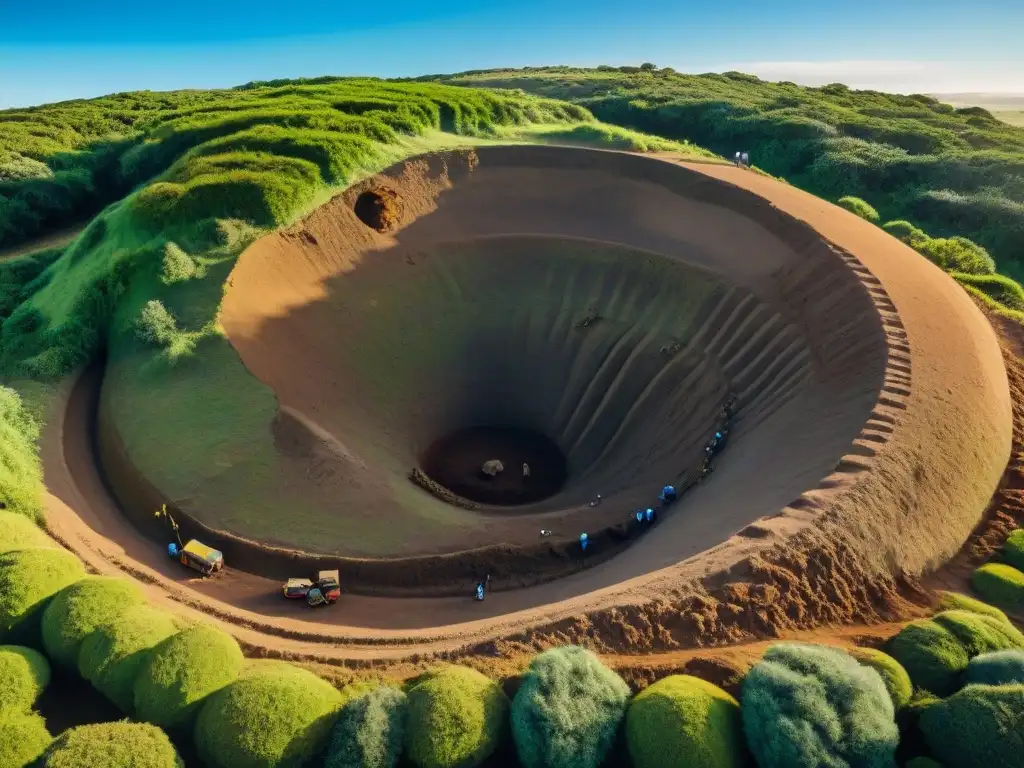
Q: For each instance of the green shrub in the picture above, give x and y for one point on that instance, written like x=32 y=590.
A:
x=935 y=651
x=567 y=710
x=182 y=671
x=996 y=668
x=23 y=738
x=1000 y=583
x=113 y=656
x=370 y=731
x=897 y=681
x=1002 y=290
x=274 y=715
x=950 y=601
x=21 y=474
x=1013 y=550
x=685 y=722
x=112 y=745
x=28 y=579
x=958 y=254
x=24 y=674
x=78 y=609
x=980 y=726
x=156 y=325
x=857 y=206
x=906 y=232
x=456 y=719
x=807 y=706
x=19 y=532
x=177 y=266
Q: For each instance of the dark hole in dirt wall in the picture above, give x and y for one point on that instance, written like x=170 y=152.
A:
x=379 y=209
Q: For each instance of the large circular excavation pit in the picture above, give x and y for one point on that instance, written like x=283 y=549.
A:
x=532 y=467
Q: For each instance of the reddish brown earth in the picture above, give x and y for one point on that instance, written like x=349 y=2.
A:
x=838 y=493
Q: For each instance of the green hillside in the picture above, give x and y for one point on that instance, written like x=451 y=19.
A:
x=949 y=171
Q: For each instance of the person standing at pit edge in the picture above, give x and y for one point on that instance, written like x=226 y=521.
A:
x=745 y=160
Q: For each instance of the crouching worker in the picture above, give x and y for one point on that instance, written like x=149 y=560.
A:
x=668 y=495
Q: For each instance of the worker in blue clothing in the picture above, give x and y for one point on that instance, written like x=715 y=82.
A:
x=667 y=495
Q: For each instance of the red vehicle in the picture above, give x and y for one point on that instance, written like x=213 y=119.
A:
x=324 y=591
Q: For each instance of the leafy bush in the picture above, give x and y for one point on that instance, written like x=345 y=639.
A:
x=980 y=726
x=567 y=710
x=182 y=671
x=23 y=738
x=859 y=207
x=1000 y=289
x=906 y=233
x=1000 y=583
x=177 y=266
x=112 y=745
x=156 y=325
x=28 y=579
x=950 y=601
x=957 y=254
x=456 y=718
x=80 y=608
x=113 y=656
x=21 y=474
x=19 y=532
x=274 y=715
x=897 y=681
x=996 y=668
x=935 y=651
x=811 y=706
x=370 y=731
x=24 y=674
x=685 y=722
x=1013 y=550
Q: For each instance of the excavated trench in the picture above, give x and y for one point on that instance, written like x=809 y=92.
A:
x=586 y=313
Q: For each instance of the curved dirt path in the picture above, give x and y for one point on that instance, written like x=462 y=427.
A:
x=957 y=395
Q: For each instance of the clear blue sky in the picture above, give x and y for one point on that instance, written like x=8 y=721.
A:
x=52 y=49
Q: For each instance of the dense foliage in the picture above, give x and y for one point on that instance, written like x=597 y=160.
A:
x=936 y=651
x=897 y=681
x=182 y=671
x=24 y=674
x=114 y=655
x=274 y=715
x=858 y=207
x=112 y=745
x=1000 y=584
x=370 y=731
x=954 y=171
x=981 y=726
x=23 y=737
x=996 y=668
x=79 y=609
x=567 y=710
x=19 y=532
x=685 y=722
x=1013 y=550
x=457 y=718
x=21 y=474
x=28 y=579
x=806 y=706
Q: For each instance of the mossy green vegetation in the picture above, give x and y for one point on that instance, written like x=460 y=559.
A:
x=1001 y=584
x=949 y=601
x=996 y=668
x=567 y=710
x=20 y=532
x=21 y=474
x=685 y=722
x=29 y=578
x=978 y=727
x=936 y=651
x=23 y=738
x=274 y=715
x=805 y=706
x=457 y=718
x=182 y=671
x=24 y=675
x=897 y=681
x=858 y=207
x=955 y=172
x=113 y=656
x=370 y=731
x=1013 y=549
x=77 y=610
x=112 y=745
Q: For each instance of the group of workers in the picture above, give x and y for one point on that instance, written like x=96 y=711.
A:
x=668 y=495
x=742 y=160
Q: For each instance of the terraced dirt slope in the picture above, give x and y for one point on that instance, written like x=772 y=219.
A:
x=891 y=341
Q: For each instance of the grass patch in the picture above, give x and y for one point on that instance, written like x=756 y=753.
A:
x=859 y=207
x=113 y=656
x=1000 y=583
x=949 y=601
x=77 y=610
x=24 y=675
x=20 y=532
x=29 y=578
x=21 y=474
x=182 y=672
x=1013 y=549
x=274 y=714
x=685 y=722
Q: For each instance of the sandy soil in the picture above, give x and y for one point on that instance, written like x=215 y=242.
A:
x=830 y=503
